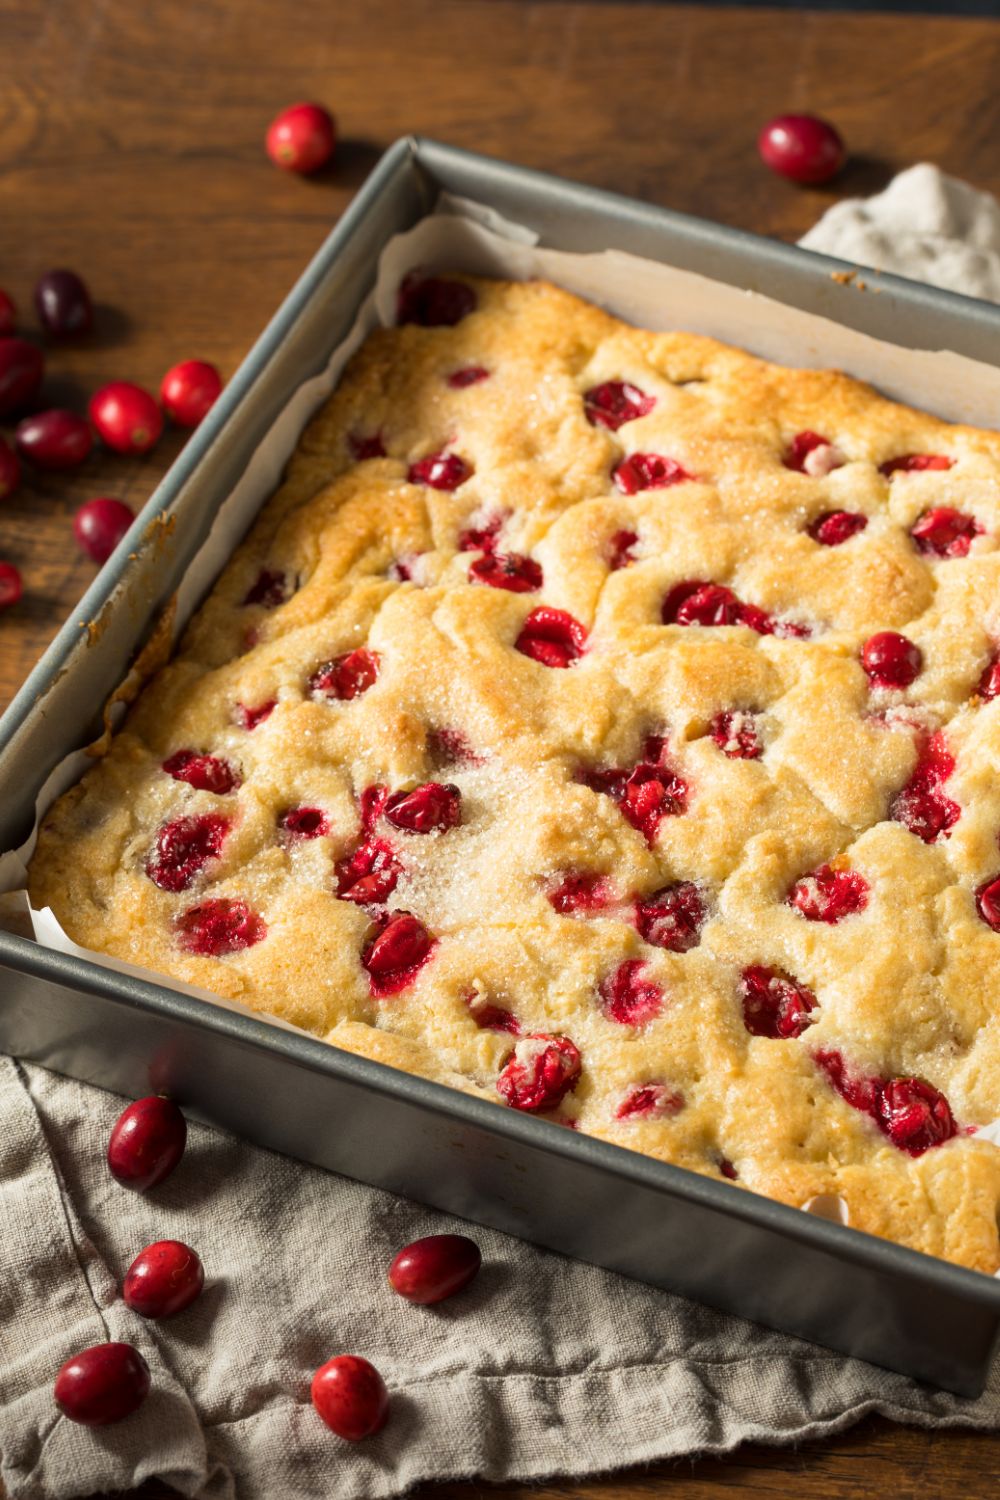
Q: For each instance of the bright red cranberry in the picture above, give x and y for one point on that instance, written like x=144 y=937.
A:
x=614 y=403
x=269 y=589
x=126 y=417
x=672 y=918
x=371 y=804
x=829 y=895
x=302 y=138
x=433 y=302
x=491 y=1017
x=10 y=471
x=146 y=1143
x=735 y=733
x=922 y=806
x=471 y=375
x=425 y=809
x=369 y=875
x=652 y=792
x=552 y=637
x=915 y=463
x=398 y=951
x=249 y=717
x=21 y=370
x=183 y=848
x=350 y=1396
x=63 y=304
x=507 y=570
x=163 y=1280
x=54 y=439
x=774 y=1004
x=628 y=998
x=891 y=660
x=810 y=453
x=206 y=773
x=481 y=538
x=698 y=603
x=431 y=1269
x=803 y=148
x=363 y=447
x=578 y=891
x=859 y=1092
x=988 y=686
x=441 y=471
x=834 y=527
x=988 y=902
x=304 y=823
x=102 y=1384
x=11 y=586
x=914 y=1115
x=647 y=471
x=944 y=532
x=8 y=315
x=621 y=552
x=218 y=927
x=189 y=390
x=99 y=526
x=346 y=677
x=541 y=1072
x=650 y=1101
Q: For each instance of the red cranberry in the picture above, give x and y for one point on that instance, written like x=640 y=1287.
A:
x=649 y=1101
x=10 y=471
x=491 y=1017
x=672 y=918
x=302 y=138
x=891 y=660
x=647 y=471
x=829 y=895
x=433 y=302
x=944 y=532
x=652 y=792
x=206 y=773
x=859 y=1093
x=696 y=603
x=249 y=718
x=370 y=805
x=126 y=417
x=628 y=998
x=436 y=1267
x=922 y=806
x=146 y=1143
x=541 y=1072
x=11 y=587
x=579 y=891
x=54 y=439
x=774 y=1004
x=803 y=148
x=218 y=927
x=363 y=447
x=369 y=875
x=481 y=538
x=988 y=686
x=350 y=1396
x=810 y=453
x=614 y=403
x=346 y=677
x=988 y=902
x=163 y=1280
x=189 y=390
x=99 y=526
x=510 y=571
x=102 y=1384
x=834 y=527
x=441 y=471
x=914 y=1115
x=426 y=809
x=398 y=951
x=458 y=380
x=305 y=823
x=183 y=848
x=727 y=1169
x=735 y=733
x=552 y=637
x=915 y=463
x=8 y=314
x=449 y=747
x=268 y=590
x=21 y=369
x=63 y=304
x=621 y=553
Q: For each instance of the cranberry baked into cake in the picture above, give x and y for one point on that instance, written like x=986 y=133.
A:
x=602 y=722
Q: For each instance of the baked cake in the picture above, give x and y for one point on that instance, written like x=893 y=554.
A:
x=602 y=722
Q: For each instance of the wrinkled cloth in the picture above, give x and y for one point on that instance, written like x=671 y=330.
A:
x=544 y=1366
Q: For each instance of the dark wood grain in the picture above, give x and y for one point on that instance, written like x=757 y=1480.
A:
x=131 y=148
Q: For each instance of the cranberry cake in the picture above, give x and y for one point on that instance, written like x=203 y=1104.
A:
x=603 y=722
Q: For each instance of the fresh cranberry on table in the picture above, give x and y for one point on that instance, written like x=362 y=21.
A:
x=55 y=439
x=433 y=1268
x=21 y=368
x=102 y=1384
x=146 y=1143
x=803 y=148
x=302 y=138
x=350 y=1396
x=127 y=418
x=10 y=471
x=11 y=587
x=163 y=1280
x=99 y=526
x=8 y=315
x=189 y=391
x=63 y=304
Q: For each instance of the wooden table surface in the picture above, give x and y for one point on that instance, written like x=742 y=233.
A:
x=131 y=148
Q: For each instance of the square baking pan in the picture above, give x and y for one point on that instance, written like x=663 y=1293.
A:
x=593 y=1200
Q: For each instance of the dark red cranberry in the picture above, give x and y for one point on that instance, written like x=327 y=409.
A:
x=914 y=1115
x=580 y=892
x=834 y=527
x=218 y=927
x=614 y=403
x=988 y=686
x=735 y=733
x=628 y=998
x=63 y=304
x=988 y=902
x=441 y=471
x=620 y=551
x=859 y=1092
x=248 y=716
x=370 y=805
x=921 y=805
x=774 y=1004
x=433 y=302
x=369 y=875
x=363 y=447
x=436 y=1267
x=146 y=1143
x=99 y=526
x=183 y=847
x=647 y=471
x=207 y=773
x=672 y=918
x=21 y=370
x=126 y=417
x=189 y=390
x=891 y=660
x=944 y=532
x=163 y=1280
x=11 y=586
x=8 y=315
x=540 y=1073
x=471 y=375
x=350 y=1396
x=491 y=1017
x=803 y=148
x=552 y=637
x=102 y=1384
x=269 y=589
x=698 y=603
x=507 y=570
x=346 y=677
x=727 y=1169
x=810 y=453
x=302 y=138
x=425 y=809
x=915 y=463
x=481 y=538
x=829 y=895
x=398 y=951
x=650 y=1101
x=54 y=439
x=10 y=471
x=304 y=823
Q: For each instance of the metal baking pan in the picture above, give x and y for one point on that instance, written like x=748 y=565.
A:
x=590 y=1199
